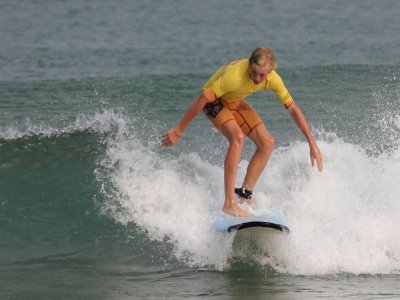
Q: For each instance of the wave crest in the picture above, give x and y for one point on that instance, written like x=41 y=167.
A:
x=99 y=122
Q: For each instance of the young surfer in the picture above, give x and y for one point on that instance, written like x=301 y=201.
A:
x=223 y=100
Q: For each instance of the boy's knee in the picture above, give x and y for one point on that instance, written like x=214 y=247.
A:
x=237 y=139
x=268 y=142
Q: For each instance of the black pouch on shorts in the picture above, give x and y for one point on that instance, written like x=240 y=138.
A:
x=212 y=109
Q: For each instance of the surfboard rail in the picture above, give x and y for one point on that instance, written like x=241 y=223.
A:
x=265 y=219
x=279 y=227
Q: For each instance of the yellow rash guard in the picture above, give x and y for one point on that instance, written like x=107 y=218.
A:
x=232 y=82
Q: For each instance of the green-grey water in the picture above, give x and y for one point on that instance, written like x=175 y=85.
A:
x=91 y=207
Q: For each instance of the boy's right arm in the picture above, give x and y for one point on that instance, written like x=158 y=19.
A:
x=172 y=136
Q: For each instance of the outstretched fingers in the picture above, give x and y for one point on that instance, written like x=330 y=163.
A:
x=170 y=138
x=316 y=156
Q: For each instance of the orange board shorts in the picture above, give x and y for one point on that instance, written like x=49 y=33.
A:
x=219 y=112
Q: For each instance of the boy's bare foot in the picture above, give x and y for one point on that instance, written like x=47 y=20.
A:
x=235 y=210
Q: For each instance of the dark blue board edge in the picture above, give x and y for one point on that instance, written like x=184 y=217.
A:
x=245 y=225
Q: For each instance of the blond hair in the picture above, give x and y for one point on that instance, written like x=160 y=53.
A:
x=263 y=56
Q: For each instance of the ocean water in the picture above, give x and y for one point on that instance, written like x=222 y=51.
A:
x=91 y=207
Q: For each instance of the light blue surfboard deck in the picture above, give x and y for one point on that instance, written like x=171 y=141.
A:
x=266 y=219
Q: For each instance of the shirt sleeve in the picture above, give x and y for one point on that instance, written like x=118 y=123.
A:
x=216 y=84
x=224 y=80
x=275 y=83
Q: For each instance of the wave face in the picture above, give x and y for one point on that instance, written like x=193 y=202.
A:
x=98 y=167
x=343 y=220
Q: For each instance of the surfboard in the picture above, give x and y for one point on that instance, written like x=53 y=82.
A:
x=266 y=219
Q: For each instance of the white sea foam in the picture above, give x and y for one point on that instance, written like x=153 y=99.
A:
x=344 y=219
x=173 y=198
